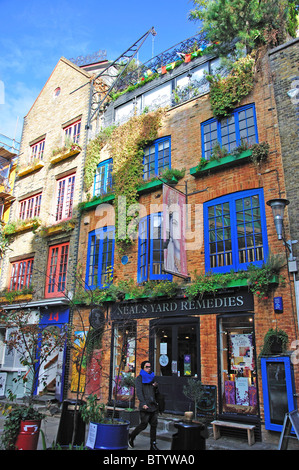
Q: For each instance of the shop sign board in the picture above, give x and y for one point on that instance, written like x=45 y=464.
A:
x=239 y=301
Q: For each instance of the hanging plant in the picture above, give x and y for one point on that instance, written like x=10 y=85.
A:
x=275 y=342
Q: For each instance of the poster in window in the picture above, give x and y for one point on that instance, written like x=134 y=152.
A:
x=174 y=204
x=242 y=352
x=242 y=395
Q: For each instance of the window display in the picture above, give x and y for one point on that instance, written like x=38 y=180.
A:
x=124 y=349
x=238 y=370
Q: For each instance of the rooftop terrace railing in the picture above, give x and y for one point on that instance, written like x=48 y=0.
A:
x=154 y=65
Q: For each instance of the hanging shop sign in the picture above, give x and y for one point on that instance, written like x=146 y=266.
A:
x=240 y=301
x=174 y=221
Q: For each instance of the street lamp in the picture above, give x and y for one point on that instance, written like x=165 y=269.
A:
x=278 y=206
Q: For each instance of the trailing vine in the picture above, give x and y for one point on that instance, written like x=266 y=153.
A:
x=227 y=92
x=125 y=145
x=127 y=150
x=259 y=279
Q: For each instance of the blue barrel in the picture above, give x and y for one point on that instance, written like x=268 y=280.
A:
x=112 y=436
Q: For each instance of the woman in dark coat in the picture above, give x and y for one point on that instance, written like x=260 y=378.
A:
x=146 y=389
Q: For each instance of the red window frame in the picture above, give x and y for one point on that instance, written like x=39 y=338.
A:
x=57 y=270
x=64 y=198
x=73 y=131
x=37 y=150
x=30 y=207
x=21 y=274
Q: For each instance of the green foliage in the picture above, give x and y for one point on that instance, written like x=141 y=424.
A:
x=252 y=22
x=93 y=155
x=172 y=175
x=127 y=149
x=125 y=145
x=118 y=291
x=15 y=413
x=270 y=338
x=227 y=92
x=193 y=390
x=92 y=411
x=258 y=279
x=20 y=224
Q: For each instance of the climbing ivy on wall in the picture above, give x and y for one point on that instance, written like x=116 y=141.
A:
x=227 y=92
x=125 y=145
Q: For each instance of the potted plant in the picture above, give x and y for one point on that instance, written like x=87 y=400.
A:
x=194 y=391
x=21 y=427
x=104 y=432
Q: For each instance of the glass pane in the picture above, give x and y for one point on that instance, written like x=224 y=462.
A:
x=163 y=351
x=238 y=370
x=277 y=388
x=187 y=351
x=124 y=362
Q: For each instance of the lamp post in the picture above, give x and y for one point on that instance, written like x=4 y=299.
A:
x=278 y=206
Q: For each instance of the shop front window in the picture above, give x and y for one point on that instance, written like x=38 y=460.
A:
x=237 y=362
x=124 y=364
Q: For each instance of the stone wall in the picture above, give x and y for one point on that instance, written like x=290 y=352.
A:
x=284 y=62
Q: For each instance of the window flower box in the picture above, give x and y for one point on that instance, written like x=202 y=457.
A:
x=21 y=226
x=224 y=162
x=65 y=226
x=30 y=168
x=64 y=153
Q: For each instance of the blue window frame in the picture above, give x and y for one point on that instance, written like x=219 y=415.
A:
x=100 y=257
x=103 y=178
x=157 y=158
x=235 y=232
x=151 y=249
x=229 y=131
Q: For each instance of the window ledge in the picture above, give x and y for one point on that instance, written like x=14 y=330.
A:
x=214 y=165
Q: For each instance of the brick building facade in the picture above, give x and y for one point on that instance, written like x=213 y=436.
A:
x=216 y=336
x=199 y=337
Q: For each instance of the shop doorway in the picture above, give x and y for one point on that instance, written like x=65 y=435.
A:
x=175 y=358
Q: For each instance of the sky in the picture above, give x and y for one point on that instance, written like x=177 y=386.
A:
x=34 y=35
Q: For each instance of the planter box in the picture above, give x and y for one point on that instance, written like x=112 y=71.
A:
x=63 y=155
x=30 y=168
x=58 y=228
x=17 y=298
x=24 y=227
x=214 y=165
